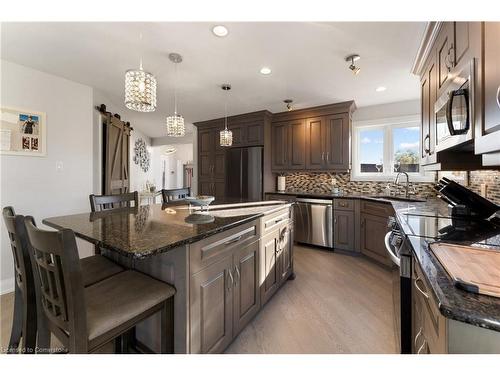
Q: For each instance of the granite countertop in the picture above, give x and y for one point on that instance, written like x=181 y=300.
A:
x=476 y=309
x=147 y=230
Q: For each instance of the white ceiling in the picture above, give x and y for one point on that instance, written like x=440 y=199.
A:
x=307 y=62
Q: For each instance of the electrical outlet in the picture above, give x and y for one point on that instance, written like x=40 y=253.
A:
x=59 y=166
x=484 y=190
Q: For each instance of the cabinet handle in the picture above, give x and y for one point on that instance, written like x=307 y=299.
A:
x=335 y=221
x=233 y=240
x=323 y=156
x=363 y=223
x=418 y=288
x=230 y=285
x=237 y=273
x=327 y=155
x=427 y=139
x=498 y=96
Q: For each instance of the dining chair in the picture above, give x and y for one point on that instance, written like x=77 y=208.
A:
x=28 y=320
x=109 y=202
x=85 y=319
x=172 y=195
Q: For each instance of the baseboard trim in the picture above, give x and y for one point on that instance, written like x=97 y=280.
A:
x=6 y=286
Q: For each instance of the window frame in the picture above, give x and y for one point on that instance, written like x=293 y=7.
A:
x=387 y=125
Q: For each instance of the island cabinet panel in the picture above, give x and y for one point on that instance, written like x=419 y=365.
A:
x=212 y=307
x=246 y=288
x=285 y=252
x=343 y=231
x=269 y=277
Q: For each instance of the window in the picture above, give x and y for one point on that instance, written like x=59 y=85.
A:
x=382 y=148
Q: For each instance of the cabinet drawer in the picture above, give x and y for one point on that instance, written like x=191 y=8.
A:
x=275 y=220
x=376 y=208
x=343 y=204
x=280 y=197
x=434 y=324
x=205 y=252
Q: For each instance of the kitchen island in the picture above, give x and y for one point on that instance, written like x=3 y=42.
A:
x=225 y=263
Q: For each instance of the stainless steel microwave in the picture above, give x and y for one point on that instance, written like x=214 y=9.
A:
x=454 y=110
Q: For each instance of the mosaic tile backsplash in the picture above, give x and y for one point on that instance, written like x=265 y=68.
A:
x=323 y=182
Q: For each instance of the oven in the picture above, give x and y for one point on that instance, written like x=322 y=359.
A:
x=399 y=252
x=453 y=111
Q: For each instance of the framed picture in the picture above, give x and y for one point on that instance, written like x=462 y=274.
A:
x=22 y=132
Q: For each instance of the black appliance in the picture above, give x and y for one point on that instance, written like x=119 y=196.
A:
x=464 y=202
x=454 y=110
x=244 y=179
x=399 y=251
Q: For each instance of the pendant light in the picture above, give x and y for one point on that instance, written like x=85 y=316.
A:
x=226 y=136
x=140 y=89
x=175 y=123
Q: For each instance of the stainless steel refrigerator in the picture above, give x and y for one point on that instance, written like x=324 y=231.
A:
x=244 y=179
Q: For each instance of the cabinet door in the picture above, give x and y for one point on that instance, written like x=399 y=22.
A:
x=315 y=143
x=254 y=134
x=461 y=49
x=373 y=230
x=206 y=188
x=219 y=169
x=425 y=119
x=337 y=142
x=219 y=189
x=269 y=273
x=206 y=140
x=487 y=138
x=211 y=305
x=206 y=165
x=445 y=57
x=343 y=231
x=279 y=143
x=246 y=294
x=285 y=253
x=238 y=137
x=297 y=144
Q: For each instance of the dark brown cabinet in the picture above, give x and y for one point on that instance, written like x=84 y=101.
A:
x=445 y=55
x=487 y=137
x=428 y=93
x=313 y=139
x=246 y=296
x=212 y=307
x=343 y=230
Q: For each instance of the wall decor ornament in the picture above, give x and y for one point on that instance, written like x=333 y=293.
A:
x=142 y=156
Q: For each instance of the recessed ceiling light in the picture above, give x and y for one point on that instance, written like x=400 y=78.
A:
x=380 y=89
x=220 y=30
x=265 y=70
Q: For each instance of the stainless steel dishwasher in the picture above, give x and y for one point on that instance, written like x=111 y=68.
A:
x=313 y=222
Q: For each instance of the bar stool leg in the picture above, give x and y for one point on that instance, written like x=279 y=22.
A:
x=17 y=322
x=29 y=328
x=167 y=327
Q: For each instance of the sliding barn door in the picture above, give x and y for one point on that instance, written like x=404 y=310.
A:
x=116 y=155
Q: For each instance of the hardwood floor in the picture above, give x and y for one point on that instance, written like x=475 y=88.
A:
x=336 y=304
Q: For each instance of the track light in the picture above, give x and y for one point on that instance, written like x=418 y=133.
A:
x=352 y=59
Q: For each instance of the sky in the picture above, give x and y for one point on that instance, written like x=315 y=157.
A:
x=372 y=143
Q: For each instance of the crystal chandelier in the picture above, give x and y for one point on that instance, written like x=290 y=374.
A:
x=175 y=123
x=226 y=136
x=140 y=90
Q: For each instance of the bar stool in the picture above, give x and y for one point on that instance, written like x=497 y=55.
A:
x=28 y=320
x=85 y=319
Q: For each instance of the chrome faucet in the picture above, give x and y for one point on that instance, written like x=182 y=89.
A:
x=407 y=185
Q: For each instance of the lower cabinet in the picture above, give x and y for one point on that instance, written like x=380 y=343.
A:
x=212 y=307
x=343 y=230
x=372 y=233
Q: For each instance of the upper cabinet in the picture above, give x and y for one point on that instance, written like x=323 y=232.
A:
x=459 y=86
x=487 y=138
x=313 y=139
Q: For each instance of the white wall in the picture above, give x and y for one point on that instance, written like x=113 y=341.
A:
x=32 y=185
x=174 y=165
x=397 y=109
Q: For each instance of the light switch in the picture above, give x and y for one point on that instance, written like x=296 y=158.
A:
x=59 y=166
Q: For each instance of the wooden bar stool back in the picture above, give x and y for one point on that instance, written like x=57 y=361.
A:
x=173 y=195
x=85 y=319
x=109 y=202
x=24 y=319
